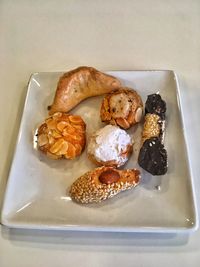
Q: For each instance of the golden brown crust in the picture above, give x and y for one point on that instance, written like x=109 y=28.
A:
x=122 y=107
x=113 y=163
x=62 y=136
x=88 y=188
x=79 y=84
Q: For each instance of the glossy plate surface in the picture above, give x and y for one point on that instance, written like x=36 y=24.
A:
x=37 y=191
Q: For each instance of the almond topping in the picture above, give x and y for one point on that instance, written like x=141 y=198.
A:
x=78 y=149
x=42 y=140
x=61 y=125
x=55 y=134
x=80 y=128
x=52 y=156
x=63 y=149
x=68 y=130
x=130 y=117
x=71 y=151
x=57 y=146
x=57 y=115
x=75 y=119
x=138 y=114
x=51 y=124
x=123 y=123
x=62 y=135
x=51 y=139
x=109 y=177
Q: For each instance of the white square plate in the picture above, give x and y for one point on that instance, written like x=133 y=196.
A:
x=37 y=191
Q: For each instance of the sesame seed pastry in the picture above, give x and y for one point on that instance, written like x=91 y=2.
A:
x=103 y=183
x=78 y=84
x=153 y=127
x=122 y=107
x=153 y=155
x=62 y=136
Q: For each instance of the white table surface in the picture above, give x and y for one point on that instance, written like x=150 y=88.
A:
x=109 y=35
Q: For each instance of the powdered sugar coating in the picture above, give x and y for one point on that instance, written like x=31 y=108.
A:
x=109 y=144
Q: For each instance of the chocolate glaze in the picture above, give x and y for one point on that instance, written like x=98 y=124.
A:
x=153 y=156
x=155 y=105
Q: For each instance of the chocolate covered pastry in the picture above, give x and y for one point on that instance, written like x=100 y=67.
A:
x=103 y=183
x=153 y=155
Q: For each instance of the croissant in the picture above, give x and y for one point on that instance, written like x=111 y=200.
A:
x=103 y=183
x=79 y=84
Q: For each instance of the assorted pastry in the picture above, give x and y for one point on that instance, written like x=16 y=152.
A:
x=109 y=146
x=122 y=107
x=63 y=135
x=103 y=183
x=79 y=84
x=153 y=155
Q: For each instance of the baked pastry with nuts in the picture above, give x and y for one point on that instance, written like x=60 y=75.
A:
x=78 y=84
x=62 y=136
x=109 y=146
x=122 y=107
x=103 y=183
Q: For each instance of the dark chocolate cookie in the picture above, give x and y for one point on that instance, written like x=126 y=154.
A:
x=153 y=157
x=155 y=105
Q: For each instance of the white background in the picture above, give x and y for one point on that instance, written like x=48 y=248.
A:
x=109 y=35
